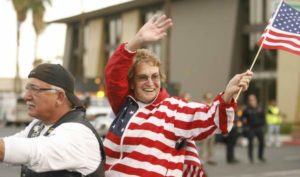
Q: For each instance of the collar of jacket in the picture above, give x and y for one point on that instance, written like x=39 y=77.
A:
x=163 y=94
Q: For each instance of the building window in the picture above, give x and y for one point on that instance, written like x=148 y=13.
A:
x=75 y=63
x=264 y=80
x=157 y=46
x=266 y=62
x=113 y=27
x=260 y=13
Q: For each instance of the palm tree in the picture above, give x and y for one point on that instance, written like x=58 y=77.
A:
x=21 y=7
x=38 y=11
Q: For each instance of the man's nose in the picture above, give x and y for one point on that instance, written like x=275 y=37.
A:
x=27 y=95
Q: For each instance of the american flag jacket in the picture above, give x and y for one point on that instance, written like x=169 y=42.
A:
x=158 y=139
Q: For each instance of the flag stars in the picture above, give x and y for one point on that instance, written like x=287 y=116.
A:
x=286 y=22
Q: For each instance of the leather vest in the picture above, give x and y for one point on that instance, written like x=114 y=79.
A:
x=72 y=116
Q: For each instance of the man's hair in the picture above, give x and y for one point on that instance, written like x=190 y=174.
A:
x=207 y=95
x=62 y=90
x=57 y=75
x=145 y=56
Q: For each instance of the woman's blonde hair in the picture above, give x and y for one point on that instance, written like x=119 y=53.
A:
x=145 y=56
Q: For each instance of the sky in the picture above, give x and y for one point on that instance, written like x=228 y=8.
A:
x=52 y=40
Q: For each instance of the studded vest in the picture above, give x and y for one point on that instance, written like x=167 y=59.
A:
x=73 y=116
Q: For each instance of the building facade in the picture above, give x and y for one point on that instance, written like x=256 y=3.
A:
x=211 y=41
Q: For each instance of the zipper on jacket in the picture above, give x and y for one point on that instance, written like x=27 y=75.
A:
x=122 y=139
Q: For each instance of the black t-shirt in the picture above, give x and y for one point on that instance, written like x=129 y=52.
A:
x=254 y=117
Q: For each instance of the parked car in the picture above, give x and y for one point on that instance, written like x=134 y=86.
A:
x=98 y=113
x=13 y=110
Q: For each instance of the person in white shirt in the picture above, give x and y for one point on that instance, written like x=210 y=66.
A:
x=59 y=142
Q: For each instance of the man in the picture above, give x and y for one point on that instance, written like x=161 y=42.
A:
x=152 y=134
x=59 y=142
x=274 y=121
x=206 y=147
x=254 y=120
x=233 y=135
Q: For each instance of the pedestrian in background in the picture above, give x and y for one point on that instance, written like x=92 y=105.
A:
x=233 y=136
x=186 y=96
x=254 y=125
x=206 y=146
x=274 y=121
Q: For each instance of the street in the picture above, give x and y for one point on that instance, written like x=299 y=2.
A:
x=281 y=162
x=9 y=170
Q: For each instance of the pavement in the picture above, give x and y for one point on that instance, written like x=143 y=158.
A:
x=281 y=161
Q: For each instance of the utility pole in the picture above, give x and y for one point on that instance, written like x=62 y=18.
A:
x=168 y=43
x=81 y=49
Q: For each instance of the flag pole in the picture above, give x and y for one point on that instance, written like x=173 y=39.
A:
x=250 y=69
x=260 y=47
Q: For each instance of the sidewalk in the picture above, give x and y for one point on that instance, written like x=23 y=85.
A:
x=289 y=140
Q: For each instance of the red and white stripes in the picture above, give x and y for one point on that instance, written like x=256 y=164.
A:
x=147 y=147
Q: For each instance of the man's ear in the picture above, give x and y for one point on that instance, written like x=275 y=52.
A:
x=61 y=96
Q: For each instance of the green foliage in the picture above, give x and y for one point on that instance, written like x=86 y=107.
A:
x=286 y=128
x=37 y=7
x=21 y=7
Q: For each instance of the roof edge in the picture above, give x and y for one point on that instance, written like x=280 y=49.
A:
x=107 y=11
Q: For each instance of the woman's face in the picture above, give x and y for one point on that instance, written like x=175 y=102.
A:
x=146 y=82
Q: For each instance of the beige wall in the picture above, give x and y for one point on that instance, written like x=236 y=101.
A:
x=130 y=24
x=288 y=85
x=7 y=84
x=202 y=44
x=94 y=48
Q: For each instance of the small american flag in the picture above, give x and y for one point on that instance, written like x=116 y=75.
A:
x=283 y=32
